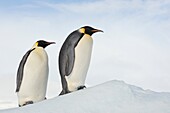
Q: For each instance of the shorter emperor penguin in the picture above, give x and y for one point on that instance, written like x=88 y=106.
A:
x=32 y=74
x=74 y=59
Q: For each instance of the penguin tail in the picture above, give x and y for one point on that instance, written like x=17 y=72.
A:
x=64 y=92
x=61 y=93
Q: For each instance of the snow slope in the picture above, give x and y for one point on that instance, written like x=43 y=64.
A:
x=110 y=97
x=8 y=97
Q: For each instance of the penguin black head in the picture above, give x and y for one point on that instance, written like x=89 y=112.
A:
x=89 y=30
x=42 y=43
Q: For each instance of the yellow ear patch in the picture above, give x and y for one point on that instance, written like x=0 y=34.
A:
x=82 y=30
x=36 y=44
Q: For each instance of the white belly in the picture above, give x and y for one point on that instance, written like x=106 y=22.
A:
x=34 y=83
x=82 y=60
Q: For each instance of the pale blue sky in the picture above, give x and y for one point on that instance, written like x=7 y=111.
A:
x=134 y=46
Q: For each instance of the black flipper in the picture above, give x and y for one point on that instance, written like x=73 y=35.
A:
x=21 y=69
x=67 y=57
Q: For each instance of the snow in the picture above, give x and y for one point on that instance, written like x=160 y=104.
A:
x=110 y=97
x=8 y=98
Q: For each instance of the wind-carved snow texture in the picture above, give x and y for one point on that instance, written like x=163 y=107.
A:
x=110 y=97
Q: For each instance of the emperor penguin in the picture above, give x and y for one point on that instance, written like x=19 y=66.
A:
x=32 y=74
x=74 y=59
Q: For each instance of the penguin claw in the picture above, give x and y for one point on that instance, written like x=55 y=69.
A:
x=81 y=87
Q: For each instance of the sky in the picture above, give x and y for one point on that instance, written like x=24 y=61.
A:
x=135 y=45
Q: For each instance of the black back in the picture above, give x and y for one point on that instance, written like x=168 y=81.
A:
x=67 y=56
x=67 y=53
x=21 y=69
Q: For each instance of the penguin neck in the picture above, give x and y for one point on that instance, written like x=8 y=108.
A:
x=35 y=47
x=87 y=35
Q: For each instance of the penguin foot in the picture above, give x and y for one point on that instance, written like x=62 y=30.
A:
x=81 y=87
x=28 y=102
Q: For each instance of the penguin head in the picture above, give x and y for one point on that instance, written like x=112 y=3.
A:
x=89 y=30
x=42 y=43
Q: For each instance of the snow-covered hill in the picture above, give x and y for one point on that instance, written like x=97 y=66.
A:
x=111 y=97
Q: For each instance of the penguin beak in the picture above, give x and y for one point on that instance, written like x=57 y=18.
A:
x=48 y=43
x=96 y=30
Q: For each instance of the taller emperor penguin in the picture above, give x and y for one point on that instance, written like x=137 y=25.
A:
x=74 y=59
x=32 y=74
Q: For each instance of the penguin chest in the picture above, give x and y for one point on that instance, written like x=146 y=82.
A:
x=81 y=63
x=35 y=76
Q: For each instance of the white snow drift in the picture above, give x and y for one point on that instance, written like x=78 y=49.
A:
x=111 y=97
